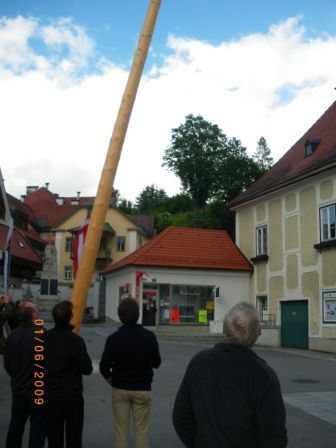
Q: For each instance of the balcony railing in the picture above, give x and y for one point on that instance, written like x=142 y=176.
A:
x=104 y=254
x=268 y=320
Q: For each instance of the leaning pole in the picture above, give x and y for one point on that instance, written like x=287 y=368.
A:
x=88 y=259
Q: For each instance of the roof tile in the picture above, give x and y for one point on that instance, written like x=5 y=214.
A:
x=188 y=248
x=294 y=165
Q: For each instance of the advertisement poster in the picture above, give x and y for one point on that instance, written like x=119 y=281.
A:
x=329 y=307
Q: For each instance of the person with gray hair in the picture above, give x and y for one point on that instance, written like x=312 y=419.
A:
x=229 y=397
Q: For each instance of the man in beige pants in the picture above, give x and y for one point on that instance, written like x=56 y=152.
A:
x=127 y=364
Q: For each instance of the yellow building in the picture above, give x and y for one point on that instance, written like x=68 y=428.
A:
x=58 y=218
x=286 y=225
x=121 y=235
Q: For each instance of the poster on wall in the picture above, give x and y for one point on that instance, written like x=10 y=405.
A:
x=329 y=307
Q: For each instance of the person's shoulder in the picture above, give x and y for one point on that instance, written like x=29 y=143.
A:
x=148 y=333
x=203 y=354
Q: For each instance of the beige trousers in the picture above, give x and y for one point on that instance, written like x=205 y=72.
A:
x=125 y=403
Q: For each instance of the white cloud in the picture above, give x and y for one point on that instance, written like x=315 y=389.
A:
x=57 y=117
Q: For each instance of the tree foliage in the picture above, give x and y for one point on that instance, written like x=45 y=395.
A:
x=209 y=164
x=126 y=206
x=152 y=199
x=192 y=154
x=262 y=155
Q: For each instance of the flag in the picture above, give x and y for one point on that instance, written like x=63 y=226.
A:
x=7 y=254
x=78 y=244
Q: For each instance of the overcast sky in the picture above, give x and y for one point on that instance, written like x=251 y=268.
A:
x=253 y=68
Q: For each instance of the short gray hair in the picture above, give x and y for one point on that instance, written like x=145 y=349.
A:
x=242 y=325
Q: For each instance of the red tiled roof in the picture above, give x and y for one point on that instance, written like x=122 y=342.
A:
x=16 y=204
x=187 y=248
x=294 y=166
x=20 y=246
x=44 y=204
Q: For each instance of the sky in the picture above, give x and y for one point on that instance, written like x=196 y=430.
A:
x=255 y=69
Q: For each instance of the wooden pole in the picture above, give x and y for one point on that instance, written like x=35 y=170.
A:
x=88 y=260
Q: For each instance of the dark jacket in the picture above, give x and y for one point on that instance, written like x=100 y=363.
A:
x=66 y=359
x=7 y=313
x=19 y=357
x=229 y=397
x=129 y=357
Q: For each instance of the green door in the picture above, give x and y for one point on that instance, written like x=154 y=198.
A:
x=294 y=324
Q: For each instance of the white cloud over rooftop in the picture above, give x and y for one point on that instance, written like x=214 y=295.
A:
x=57 y=113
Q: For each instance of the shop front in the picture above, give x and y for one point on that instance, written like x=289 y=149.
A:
x=171 y=304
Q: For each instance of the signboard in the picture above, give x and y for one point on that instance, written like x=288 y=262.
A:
x=329 y=307
x=202 y=316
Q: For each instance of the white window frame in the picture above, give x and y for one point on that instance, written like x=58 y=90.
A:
x=328 y=222
x=67 y=272
x=262 y=306
x=261 y=240
x=120 y=243
x=68 y=244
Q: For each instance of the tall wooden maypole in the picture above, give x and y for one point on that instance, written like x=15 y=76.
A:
x=88 y=259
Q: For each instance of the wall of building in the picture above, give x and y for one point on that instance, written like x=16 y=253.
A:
x=295 y=270
x=120 y=224
x=233 y=286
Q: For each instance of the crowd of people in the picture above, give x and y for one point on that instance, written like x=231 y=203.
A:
x=229 y=397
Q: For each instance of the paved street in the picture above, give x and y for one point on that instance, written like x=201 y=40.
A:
x=308 y=382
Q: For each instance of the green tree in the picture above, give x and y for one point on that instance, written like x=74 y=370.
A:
x=126 y=206
x=193 y=154
x=209 y=165
x=236 y=171
x=262 y=155
x=180 y=203
x=152 y=199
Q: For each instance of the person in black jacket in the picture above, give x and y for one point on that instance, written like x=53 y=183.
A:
x=127 y=364
x=66 y=361
x=20 y=365
x=229 y=397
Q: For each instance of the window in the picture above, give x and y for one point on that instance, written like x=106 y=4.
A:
x=310 y=146
x=261 y=306
x=327 y=222
x=120 y=243
x=67 y=272
x=68 y=244
x=261 y=240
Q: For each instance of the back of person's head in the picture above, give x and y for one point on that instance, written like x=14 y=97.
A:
x=27 y=313
x=62 y=313
x=242 y=325
x=128 y=311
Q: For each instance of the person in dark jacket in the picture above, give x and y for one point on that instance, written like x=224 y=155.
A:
x=127 y=364
x=229 y=397
x=66 y=361
x=21 y=367
x=6 y=316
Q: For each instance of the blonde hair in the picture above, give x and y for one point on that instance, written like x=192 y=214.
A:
x=242 y=325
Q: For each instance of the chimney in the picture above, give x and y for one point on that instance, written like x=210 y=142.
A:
x=78 y=194
x=47 y=185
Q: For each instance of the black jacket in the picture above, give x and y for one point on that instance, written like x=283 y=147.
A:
x=129 y=357
x=229 y=397
x=65 y=361
x=19 y=357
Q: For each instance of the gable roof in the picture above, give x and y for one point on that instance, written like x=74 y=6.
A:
x=47 y=211
x=20 y=246
x=187 y=248
x=294 y=165
x=146 y=222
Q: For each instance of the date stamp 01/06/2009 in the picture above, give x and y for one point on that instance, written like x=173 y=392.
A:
x=38 y=362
